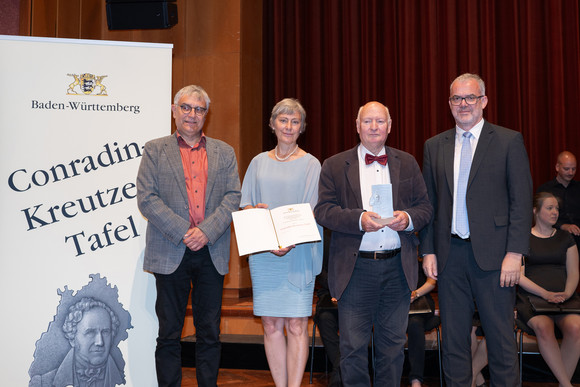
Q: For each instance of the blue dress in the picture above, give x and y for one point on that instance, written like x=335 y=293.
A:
x=283 y=286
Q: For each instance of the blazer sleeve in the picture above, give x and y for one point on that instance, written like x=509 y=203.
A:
x=520 y=192
x=336 y=208
x=416 y=202
x=160 y=211
x=426 y=245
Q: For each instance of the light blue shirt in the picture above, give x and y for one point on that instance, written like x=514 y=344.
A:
x=375 y=173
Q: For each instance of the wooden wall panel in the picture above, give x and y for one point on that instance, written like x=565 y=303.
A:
x=207 y=50
x=68 y=19
x=251 y=120
x=43 y=18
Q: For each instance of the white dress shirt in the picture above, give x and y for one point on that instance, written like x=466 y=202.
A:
x=375 y=173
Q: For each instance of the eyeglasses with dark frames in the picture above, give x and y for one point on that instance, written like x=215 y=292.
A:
x=456 y=100
x=186 y=109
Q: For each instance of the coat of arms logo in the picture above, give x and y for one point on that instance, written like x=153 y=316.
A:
x=87 y=84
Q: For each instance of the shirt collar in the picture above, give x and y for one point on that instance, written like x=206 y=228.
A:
x=362 y=151
x=200 y=144
x=475 y=131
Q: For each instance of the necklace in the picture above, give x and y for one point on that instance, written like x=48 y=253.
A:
x=543 y=235
x=284 y=158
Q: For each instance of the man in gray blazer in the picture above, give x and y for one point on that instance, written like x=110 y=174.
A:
x=478 y=179
x=372 y=264
x=187 y=188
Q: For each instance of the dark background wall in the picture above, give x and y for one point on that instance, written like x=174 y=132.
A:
x=336 y=55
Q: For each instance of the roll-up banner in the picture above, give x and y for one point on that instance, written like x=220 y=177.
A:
x=77 y=307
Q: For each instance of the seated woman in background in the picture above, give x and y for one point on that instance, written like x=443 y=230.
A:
x=551 y=272
x=478 y=353
x=416 y=329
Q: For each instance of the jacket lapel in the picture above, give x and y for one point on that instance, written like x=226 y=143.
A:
x=174 y=158
x=394 y=164
x=448 y=156
x=212 y=162
x=352 y=175
x=481 y=150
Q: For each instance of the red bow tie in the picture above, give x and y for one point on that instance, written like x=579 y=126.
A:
x=369 y=159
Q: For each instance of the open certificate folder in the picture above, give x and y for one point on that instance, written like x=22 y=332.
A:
x=261 y=229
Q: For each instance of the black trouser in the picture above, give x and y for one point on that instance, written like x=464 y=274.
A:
x=197 y=273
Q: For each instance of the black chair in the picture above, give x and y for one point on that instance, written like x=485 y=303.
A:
x=435 y=323
x=313 y=345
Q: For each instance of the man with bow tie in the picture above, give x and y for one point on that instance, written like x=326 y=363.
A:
x=372 y=265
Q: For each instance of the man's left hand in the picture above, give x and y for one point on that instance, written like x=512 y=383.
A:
x=401 y=221
x=510 y=270
x=195 y=239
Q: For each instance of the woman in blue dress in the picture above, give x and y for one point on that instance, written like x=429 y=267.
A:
x=283 y=280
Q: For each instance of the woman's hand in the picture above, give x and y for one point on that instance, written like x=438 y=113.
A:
x=259 y=205
x=282 y=252
x=555 y=297
x=414 y=295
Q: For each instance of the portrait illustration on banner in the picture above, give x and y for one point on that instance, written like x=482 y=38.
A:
x=80 y=347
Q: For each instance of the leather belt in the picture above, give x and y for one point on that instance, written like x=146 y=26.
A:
x=460 y=238
x=380 y=254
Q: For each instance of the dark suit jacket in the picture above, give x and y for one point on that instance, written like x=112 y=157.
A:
x=499 y=196
x=340 y=206
x=162 y=199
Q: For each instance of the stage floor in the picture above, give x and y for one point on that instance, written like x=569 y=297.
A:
x=260 y=378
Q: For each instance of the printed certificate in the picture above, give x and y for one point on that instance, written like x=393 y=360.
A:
x=262 y=229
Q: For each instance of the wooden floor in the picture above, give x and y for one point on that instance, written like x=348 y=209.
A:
x=253 y=378
x=238 y=322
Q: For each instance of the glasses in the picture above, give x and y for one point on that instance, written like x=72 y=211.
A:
x=199 y=111
x=470 y=99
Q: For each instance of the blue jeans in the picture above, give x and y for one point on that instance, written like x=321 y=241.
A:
x=378 y=297
x=197 y=273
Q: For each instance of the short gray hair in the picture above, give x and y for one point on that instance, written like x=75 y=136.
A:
x=289 y=106
x=192 y=90
x=468 y=76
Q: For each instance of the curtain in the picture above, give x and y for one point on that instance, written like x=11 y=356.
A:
x=335 y=56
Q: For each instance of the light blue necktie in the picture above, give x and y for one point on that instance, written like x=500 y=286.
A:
x=461 y=221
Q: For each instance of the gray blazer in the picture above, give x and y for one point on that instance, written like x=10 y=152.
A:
x=162 y=199
x=499 y=196
x=340 y=206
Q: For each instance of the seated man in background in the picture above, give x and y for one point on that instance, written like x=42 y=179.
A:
x=567 y=191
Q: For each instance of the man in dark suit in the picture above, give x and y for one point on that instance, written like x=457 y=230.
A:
x=372 y=266
x=478 y=178
x=567 y=190
x=187 y=188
